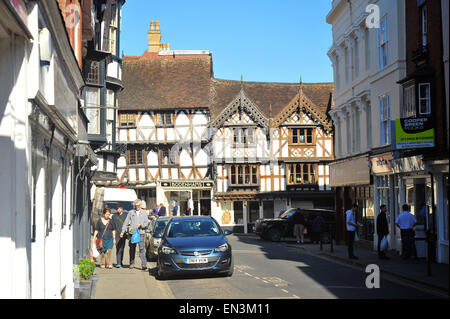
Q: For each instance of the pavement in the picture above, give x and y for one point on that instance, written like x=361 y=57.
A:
x=124 y=283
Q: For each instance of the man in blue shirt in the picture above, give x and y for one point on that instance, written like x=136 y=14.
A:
x=406 y=222
x=351 y=225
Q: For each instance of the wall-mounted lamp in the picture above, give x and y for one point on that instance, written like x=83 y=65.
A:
x=45 y=49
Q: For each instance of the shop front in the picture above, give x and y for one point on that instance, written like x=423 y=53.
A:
x=386 y=186
x=350 y=178
x=417 y=187
x=193 y=198
x=237 y=211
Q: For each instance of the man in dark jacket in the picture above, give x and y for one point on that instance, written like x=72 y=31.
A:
x=119 y=219
x=162 y=210
x=382 y=230
x=299 y=226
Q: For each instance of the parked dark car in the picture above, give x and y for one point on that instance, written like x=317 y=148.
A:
x=154 y=234
x=283 y=227
x=194 y=245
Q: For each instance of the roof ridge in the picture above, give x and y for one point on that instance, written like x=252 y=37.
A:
x=279 y=83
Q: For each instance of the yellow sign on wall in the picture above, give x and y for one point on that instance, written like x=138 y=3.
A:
x=414 y=133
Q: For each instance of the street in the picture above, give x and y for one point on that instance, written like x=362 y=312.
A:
x=263 y=270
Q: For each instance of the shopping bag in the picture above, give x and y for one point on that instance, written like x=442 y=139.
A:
x=136 y=237
x=95 y=252
x=384 y=243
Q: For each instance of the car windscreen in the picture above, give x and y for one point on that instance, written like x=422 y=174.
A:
x=159 y=228
x=127 y=206
x=192 y=228
x=288 y=213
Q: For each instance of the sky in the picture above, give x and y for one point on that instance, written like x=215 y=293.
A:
x=262 y=40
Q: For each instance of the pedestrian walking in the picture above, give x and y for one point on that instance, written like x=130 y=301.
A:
x=119 y=220
x=174 y=208
x=156 y=210
x=162 y=210
x=105 y=230
x=406 y=222
x=317 y=228
x=382 y=231
x=136 y=219
x=299 y=226
x=351 y=225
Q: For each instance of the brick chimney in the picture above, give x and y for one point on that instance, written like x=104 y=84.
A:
x=154 y=38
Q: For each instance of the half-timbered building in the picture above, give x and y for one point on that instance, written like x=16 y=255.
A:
x=231 y=149
x=271 y=149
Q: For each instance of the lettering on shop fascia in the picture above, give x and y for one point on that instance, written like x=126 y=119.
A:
x=187 y=184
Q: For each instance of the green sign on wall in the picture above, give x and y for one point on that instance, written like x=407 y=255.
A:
x=414 y=133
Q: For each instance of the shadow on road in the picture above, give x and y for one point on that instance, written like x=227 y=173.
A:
x=339 y=279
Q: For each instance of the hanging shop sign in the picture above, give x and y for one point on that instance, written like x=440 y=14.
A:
x=380 y=164
x=408 y=164
x=414 y=133
x=351 y=172
x=187 y=184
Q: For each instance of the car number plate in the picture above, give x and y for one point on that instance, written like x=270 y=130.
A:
x=196 y=260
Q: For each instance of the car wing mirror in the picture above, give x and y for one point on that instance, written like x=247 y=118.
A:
x=227 y=232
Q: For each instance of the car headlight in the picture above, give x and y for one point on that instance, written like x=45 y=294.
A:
x=221 y=248
x=167 y=250
x=156 y=241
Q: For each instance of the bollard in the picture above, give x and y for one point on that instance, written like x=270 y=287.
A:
x=331 y=239
x=321 y=240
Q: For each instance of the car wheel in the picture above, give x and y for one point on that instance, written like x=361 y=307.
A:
x=275 y=234
x=230 y=272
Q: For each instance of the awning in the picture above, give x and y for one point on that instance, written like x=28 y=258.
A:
x=350 y=172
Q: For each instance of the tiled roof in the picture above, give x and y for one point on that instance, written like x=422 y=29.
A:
x=163 y=84
x=266 y=94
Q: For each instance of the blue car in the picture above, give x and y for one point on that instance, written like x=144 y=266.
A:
x=194 y=245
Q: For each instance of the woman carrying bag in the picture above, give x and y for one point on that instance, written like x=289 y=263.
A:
x=105 y=238
x=382 y=232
